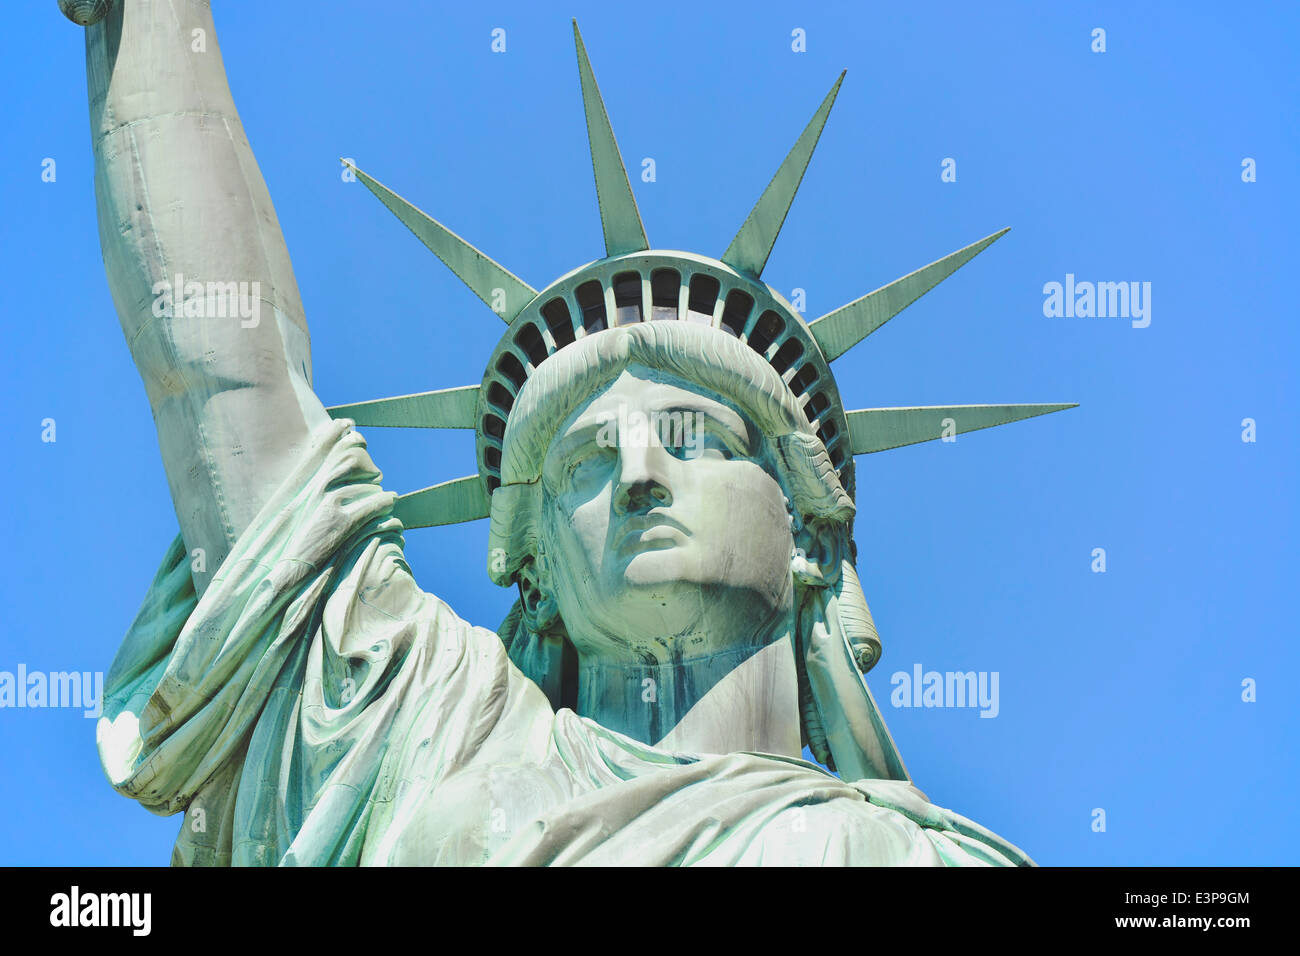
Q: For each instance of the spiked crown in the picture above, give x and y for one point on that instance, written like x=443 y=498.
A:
x=635 y=283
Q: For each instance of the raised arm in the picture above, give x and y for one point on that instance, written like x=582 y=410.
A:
x=198 y=268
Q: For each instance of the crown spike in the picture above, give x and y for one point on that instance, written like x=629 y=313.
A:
x=445 y=408
x=752 y=245
x=619 y=217
x=505 y=293
x=840 y=330
x=451 y=502
x=879 y=429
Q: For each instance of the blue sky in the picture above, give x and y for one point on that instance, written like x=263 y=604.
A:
x=1119 y=690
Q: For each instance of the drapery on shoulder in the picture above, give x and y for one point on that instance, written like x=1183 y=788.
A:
x=192 y=676
x=312 y=685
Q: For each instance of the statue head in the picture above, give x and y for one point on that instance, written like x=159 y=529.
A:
x=662 y=494
x=662 y=448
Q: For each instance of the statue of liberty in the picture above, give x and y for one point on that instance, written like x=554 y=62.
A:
x=668 y=472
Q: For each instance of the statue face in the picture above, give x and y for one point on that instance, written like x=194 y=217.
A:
x=666 y=531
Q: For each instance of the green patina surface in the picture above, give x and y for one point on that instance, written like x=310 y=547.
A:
x=689 y=612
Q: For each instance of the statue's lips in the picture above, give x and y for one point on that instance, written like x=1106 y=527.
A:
x=650 y=532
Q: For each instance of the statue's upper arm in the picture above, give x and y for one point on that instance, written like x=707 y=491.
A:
x=198 y=268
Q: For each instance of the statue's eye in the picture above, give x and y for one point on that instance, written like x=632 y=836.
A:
x=689 y=435
x=714 y=446
x=588 y=460
x=707 y=439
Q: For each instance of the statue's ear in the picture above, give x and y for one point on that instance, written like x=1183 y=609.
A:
x=818 y=551
x=536 y=594
x=547 y=657
x=541 y=659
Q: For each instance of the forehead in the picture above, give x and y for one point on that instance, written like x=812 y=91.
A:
x=639 y=388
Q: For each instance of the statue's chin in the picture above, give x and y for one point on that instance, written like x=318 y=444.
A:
x=659 y=590
x=665 y=604
x=663 y=567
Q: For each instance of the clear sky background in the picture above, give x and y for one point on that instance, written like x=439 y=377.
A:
x=1120 y=690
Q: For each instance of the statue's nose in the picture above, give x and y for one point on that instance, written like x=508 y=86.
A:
x=643 y=476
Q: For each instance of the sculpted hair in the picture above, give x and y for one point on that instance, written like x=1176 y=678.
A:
x=831 y=610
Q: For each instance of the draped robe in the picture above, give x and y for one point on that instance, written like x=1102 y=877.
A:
x=315 y=707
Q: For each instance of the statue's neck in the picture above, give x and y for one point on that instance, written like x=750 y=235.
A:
x=744 y=699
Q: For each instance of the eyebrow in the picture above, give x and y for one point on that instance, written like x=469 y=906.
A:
x=735 y=426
